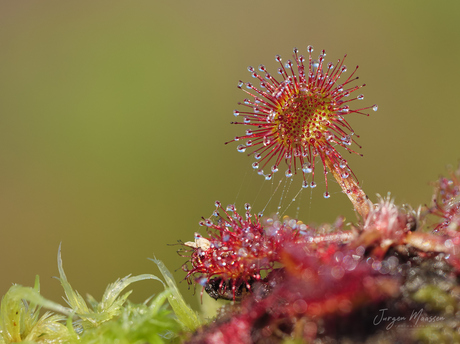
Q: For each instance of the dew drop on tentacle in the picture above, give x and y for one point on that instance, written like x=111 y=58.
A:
x=328 y=136
x=313 y=185
x=243 y=252
x=288 y=173
x=255 y=165
x=326 y=195
x=360 y=97
x=236 y=113
x=257 y=156
x=375 y=107
x=306 y=168
x=217 y=204
x=268 y=176
x=203 y=281
x=241 y=148
x=305 y=184
x=266 y=140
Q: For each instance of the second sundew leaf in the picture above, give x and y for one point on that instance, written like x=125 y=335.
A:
x=185 y=315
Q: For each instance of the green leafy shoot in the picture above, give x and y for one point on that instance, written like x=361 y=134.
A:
x=20 y=320
x=185 y=315
x=137 y=324
x=111 y=303
x=113 y=319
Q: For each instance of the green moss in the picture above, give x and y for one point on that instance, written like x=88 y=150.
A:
x=436 y=298
x=137 y=324
x=185 y=315
x=113 y=319
x=439 y=334
x=20 y=320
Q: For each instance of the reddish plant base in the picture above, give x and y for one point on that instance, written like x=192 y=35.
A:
x=341 y=286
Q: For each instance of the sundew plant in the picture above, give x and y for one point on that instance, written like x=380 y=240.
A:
x=391 y=276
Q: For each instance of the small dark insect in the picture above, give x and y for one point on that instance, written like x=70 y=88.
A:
x=219 y=288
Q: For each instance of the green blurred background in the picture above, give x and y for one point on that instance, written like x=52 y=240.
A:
x=114 y=114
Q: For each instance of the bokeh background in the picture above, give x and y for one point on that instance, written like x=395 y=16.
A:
x=114 y=114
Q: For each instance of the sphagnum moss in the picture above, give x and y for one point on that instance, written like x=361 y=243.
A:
x=113 y=319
